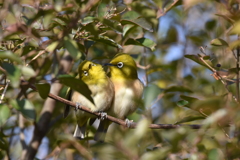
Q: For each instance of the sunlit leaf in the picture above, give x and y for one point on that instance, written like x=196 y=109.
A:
x=25 y=107
x=130 y=15
x=87 y=20
x=77 y=85
x=43 y=89
x=9 y=55
x=140 y=22
x=218 y=42
x=72 y=48
x=27 y=72
x=150 y=94
x=4 y=114
x=116 y=26
x=142 y=42
x=196 y=58
x=106 y=40
x=215 y=153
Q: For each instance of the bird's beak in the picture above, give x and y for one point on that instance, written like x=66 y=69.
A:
x=108 y=64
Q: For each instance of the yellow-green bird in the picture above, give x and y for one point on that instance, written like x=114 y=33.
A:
x=128 y=89
x=102 y=93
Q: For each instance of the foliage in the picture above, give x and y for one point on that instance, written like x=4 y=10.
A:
x=37 y=37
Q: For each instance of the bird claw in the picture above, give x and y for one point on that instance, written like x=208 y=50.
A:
x=128 y=122
x=103 y=115
x=78 y=106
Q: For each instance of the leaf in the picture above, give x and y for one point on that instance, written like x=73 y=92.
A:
x=236 y=28
x=87 y=20
x=183 y=103
x=189 y=119
x=197 y=59
x=4 y=114
x=150 y=94
x=102 y=10
x=142 y=42
x=27 y=72
x=13 y=74
x=11 y=56
x=215 y=153
x=140 y=22
x=127 y=28
x=188 y=98
x=43 y=89
x=116 y=26
x=25 y=107
x=177 y=89
x=52 y=46
x=106 y=40
x=218 y=42
x=77 y=85
x=72 y=48
x=209 y=105
x=130 y=15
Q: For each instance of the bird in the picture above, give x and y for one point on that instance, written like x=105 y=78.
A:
x=128 y=90
x=102 y=94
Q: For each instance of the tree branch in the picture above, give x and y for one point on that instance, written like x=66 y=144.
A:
x=113 y=119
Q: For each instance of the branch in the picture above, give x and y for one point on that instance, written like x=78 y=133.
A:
x=113 y=119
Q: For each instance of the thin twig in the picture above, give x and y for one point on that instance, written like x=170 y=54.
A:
x=4 y=91
x=237 y=66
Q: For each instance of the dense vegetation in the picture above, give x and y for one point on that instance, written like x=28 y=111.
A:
x=187 y=53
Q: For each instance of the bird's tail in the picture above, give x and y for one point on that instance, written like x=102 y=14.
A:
x=80 y=132
x=102 y=130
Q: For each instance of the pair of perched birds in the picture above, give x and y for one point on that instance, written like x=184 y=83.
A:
x=116 y=95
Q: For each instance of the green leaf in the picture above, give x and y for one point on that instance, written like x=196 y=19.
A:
x=72 y=48
x=215 y=153
x=43 y=89
x=102 y=10
x=13 y=74
x=116 y=26
x=177 y=89
x=142 y=42
x=4 y=144
x=218 y=42
x=77 y=85
x=209 y=105
x=140 y=22
x=87 y=20
x=4 y=114
x=150 y=94
x=27 y=72
x=11 y=56
x=127 y=28
x=197 y=59
x=183 y=103
x=189 y=119
x=25 y=107
x=52 y=46
x=130 y=15
x=106 y=40
x=236 y=28
x=188 y=98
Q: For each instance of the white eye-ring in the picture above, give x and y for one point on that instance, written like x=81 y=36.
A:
x=93 y=64
x=85 y=73
x=120 y=64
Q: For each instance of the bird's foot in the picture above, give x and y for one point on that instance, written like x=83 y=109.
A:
x=103 y=115
x=128 y=122
x=78 y=106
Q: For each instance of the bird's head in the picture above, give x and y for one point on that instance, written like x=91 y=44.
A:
x=90 y=72
x=122 y=66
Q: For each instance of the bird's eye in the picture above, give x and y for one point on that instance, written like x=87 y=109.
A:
x=85 y=73
x=120 y=64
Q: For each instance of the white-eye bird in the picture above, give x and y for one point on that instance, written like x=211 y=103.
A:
x=102 y=93
x=128 y=90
